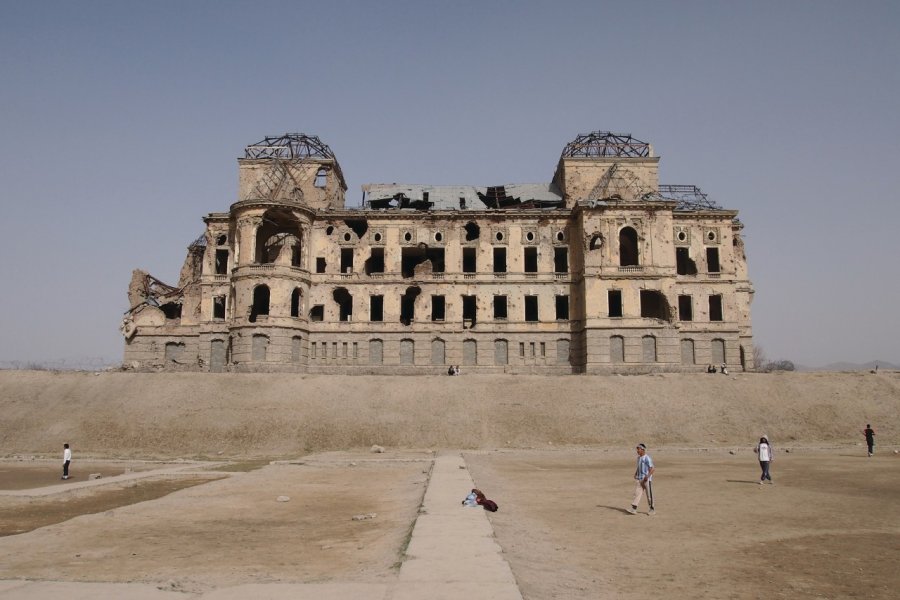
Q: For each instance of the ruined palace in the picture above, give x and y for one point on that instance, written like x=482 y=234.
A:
x=599 y=270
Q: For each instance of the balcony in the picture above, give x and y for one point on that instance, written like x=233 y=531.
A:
x=267 y=270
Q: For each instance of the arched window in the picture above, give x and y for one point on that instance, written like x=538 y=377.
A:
x=437 y=352
x=501 y=352
x=296 y=301
x=648 y=346
x=260 y=302
x=687 y=352
x=321 y=177
x=617 y=349
x=628 y=247
x=407 y=352
x=470 y=352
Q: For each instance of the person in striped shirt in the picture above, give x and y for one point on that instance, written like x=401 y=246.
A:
x=643 y=476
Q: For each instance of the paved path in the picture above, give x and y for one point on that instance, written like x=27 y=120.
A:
x=452 y=555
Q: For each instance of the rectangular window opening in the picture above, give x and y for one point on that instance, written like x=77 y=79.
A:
x=219 y=307
x=469 y=263
x=376 y=308
x=346 y=260
x=562 y=308
x=469 y=310
x=614 y=297
x=320 y=264
x=531 y=309
x=500 y=307
x=684 y=265
x=685 y=309
x=561 y=260
x=437 y=308
x=715 y=308
x=221 y=262
x=499 y=260
x=712 y=260
x=531 y=260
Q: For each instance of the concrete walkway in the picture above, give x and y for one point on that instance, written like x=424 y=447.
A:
x=452 y=555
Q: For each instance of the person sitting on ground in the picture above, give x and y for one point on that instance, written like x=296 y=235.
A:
x=450 y=371
x=456 y=370
x=724 y=369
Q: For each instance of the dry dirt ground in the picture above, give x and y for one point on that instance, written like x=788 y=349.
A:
x=828 y=528
x=229 y=531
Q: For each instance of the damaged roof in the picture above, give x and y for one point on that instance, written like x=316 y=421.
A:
x=460 y=197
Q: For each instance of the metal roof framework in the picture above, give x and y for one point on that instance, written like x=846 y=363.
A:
x=688 y=197
x=290 y=146
x=601 y=144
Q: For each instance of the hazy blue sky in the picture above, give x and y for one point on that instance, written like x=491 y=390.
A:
x=121 y=123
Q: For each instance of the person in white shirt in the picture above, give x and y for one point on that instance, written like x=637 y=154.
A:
x=67 y=458
x=643 y=475
x=765 y=454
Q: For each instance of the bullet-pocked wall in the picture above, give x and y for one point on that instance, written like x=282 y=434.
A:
x=600 y=270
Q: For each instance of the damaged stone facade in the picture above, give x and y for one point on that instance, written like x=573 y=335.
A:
x=601 y=270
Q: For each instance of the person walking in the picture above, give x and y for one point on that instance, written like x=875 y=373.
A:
x=67 y=458
x=870 y=438
x=643 y=476
x=765 y=453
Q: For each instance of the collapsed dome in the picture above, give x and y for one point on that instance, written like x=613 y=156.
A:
x=290 y=146
x=604 y=143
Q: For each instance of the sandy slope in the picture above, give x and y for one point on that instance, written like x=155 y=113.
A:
x=194 y=414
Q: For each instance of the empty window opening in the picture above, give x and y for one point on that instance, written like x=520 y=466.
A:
x=560 y=236
x=715 y=308
x=561 y=260
x=469 y=311
x=531 y=309
x=473 y=231
x=346 y=260
x=531 y=260
x=628 y=247
x=376 y=308
x=345 y=303
x=317 y=313
x=347 y=236
x=359 y=226
x=173 y=352
x=685 y=308
x=219 y=307
x=329 y=230
x=279 y=231
x=529 y=237
x=260 y=302
x=712 y=260
x=562 y=308
x=421 y=260
x=320 y=264
x=437 y=308
x=469 y=262
x=375 y=262
x=295 y=255
x=296 y=298
x=614 y=300
x=684 y=264
x=499 y=260
x=172 y=310
x=407 y=237
x=462 y=203
x=500 y=307
x=221 y=262
x=543 y=349
x=221 y=240
x=522 y=349
x=425 y=196
x=321 y=178
x=596 y=242
x=408 y=305
x=654 y=305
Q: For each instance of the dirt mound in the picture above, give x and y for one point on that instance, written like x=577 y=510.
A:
x=195 y=414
